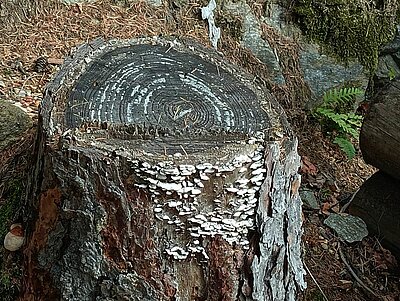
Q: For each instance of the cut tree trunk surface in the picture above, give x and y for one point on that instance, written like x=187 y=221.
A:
x=380 y=133
x=162 y=173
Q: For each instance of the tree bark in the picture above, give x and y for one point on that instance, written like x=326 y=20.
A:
x=380 y=133
x=162 y=173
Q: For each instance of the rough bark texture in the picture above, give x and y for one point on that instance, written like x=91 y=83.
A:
x=380 y=133
x=378 y=204
x=163 y=173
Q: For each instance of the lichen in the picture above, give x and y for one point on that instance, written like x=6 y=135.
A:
x=349 y=29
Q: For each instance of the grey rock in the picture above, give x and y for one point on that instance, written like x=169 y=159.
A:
x=349 y=228
x=323 y=73
x=390 y=57
x=275 y=16
x=393 y=46
x=387 y=68
x=253 y=41
x=309 y=199
x=13 y=123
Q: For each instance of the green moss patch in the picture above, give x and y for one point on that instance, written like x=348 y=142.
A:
x=9 y=205
x=14 y=122
x=349 y=29
x=10 y=268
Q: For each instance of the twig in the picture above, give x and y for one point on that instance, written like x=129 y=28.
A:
x=360 y=282
x=344 y=208
x=315 y=281
x=184 y=150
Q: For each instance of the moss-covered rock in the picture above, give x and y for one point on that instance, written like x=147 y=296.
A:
x=349 y=28
x=14 y=122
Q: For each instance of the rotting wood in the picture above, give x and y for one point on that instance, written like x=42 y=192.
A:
x=174 y=177
x=380 y=132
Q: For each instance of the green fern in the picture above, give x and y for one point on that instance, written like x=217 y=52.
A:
x=346 y=146
x=335 y=97
x=335 y=113
x=349 y=123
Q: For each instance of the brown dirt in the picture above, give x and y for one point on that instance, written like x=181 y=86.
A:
x=52 y=29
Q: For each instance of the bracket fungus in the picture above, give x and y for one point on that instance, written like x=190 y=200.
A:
x=14 y=239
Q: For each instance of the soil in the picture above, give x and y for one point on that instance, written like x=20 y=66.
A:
x=51 y=29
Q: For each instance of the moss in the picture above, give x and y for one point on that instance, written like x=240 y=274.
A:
x=349 y=29
x=12 y=196
x=14 y=122
x=8 y=290
x=10 y=269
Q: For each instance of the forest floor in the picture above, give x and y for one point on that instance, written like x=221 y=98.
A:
x=52 y=30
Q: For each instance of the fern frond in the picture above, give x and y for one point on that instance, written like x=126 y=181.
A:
x=344 y=125
x=334 y=111
x=346 y=146
x=348 y=123
x=335 y=97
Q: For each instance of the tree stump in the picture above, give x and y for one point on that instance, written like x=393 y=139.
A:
x=163 y=173
x=380 y=133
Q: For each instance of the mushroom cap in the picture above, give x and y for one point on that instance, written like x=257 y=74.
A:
x=15 y=238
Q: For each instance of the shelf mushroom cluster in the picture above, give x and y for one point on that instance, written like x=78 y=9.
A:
x=206 y=199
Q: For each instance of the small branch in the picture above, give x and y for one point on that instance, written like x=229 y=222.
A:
x=315 y=281
x=344 y=208
x=343 y=257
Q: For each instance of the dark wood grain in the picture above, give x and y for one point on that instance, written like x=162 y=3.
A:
x=380 y=133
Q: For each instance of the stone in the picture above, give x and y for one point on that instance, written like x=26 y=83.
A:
x=14 y=122
x=349 y=228
x=309 y=199
x=389 y=62
x=322 y=73
x=387 y=68
x=393 y=46
x=253 y=41
x=378 y=203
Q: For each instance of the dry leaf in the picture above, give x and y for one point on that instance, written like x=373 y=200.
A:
x=307 y=167
x=325 y=208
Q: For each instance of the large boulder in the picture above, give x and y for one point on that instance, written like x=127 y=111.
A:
x=14 y=122
x=378 y=204
x=320 y=71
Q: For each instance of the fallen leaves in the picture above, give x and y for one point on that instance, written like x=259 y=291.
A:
x=307 y=167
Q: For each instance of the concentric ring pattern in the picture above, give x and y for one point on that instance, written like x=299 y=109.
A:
x=160 y=86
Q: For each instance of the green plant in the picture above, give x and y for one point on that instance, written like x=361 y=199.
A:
x=349 y=29
x=336 y=113
x=392 y=73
